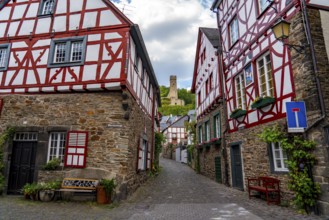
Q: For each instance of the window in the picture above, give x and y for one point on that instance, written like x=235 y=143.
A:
x=265 y=78
x=279 y=158
x=76 y=150
x=67 y=52
x=200 y=134
x=56 y=146
x=26 y=136
x=207 y=87
x=234 y=31
x=46 y=7
x=143 y=156
x=199 y=98
x=210 y=82
x=263 y=4
x=240 y=92
x=4 y=56
x=207 y=131
x=217 y=130
x=3 y=3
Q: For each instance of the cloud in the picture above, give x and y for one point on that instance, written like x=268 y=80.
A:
x=170 y=30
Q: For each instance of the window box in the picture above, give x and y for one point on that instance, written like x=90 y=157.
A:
x=237 y=113
x=216 y=140
x=261 y=102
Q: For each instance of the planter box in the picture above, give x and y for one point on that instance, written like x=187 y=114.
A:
x=263 y=102
x=238 y=113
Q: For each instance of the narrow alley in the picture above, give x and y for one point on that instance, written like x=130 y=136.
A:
x=177 y=193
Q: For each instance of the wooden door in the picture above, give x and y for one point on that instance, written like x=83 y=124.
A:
x=237 y=176
x=22 y=165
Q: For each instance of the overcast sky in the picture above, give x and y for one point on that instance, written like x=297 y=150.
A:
x=170 y=30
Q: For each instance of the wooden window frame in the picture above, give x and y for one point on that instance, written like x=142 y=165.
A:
x=268 y=74
x=240 y=91
x=58 y=146
x=68 y=45
x=217 y=126
x=69 y=155
x=281 y=158
x=6 y=48
x=207 y=131
x=230 y=28
x=41 y=8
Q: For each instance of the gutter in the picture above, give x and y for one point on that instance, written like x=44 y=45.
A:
x=315 y=66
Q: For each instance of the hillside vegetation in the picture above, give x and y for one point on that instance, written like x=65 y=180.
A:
x=183 y=94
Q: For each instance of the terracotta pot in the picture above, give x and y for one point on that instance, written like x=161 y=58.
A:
x=27 y=196
x=101 y=196
x=46 y=195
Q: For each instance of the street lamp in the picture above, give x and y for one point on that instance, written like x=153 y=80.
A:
x=281 y=30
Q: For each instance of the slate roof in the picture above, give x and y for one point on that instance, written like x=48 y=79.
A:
x=212 y=34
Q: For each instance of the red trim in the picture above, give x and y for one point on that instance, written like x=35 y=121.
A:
x=80 y=136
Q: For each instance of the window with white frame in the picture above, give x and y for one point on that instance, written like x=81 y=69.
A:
x=67 y=52
x=143 y=154
x=279 y=158
x=240 y=92
x=207 y=131
x=46 y=7
x=217 y=130
x=263 y=4
x=56 y=146
x=265 y=78
x=234 y=30
x=4 y=56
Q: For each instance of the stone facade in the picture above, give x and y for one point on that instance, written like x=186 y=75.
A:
x=114 y=133
x=173 y=93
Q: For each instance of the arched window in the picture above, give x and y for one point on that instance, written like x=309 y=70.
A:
x=47 y=7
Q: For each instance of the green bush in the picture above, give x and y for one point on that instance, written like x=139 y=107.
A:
x=109 y=186
x=52 y=164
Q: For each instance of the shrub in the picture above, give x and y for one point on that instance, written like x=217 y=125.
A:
x=52 y=164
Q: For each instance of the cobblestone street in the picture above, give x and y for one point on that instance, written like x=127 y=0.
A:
x=177 y=193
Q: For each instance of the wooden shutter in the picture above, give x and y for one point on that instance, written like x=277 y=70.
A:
x=76 y=149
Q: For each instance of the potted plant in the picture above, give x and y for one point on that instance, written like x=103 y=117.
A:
x=238 y=112
x=105 y=190
x=47 y=190
x=30 y=190
x=261 y=102
x=52 y=164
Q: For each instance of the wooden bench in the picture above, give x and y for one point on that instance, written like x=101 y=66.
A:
x=267 y=185
x=79 y=185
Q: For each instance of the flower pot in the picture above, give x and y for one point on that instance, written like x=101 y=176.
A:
x=102 y=198
x=263 y=102
x=238 y=113
x=27 y=196
x=46 y=195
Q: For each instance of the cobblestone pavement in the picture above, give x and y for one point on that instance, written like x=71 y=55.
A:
x=177 y=193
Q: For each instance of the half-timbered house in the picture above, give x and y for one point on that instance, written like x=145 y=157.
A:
x=207 y=87
x=261 y=74
x=77 y=84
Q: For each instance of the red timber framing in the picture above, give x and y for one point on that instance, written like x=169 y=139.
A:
x=206 y=82
x=255 y=41
x=108 y=56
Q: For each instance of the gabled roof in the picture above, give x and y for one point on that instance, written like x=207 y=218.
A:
x=212 y=35
x=179 y=123
x=3 y=3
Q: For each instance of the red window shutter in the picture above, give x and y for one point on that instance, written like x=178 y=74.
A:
x=76 y=149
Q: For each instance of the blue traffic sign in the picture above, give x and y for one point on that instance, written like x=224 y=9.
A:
x=296 y=116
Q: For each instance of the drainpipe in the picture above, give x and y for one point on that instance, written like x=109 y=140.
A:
x=315 y=66
x=224 y=113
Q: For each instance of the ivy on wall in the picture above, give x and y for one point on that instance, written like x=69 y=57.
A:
x=300 y=162
x=5 y=136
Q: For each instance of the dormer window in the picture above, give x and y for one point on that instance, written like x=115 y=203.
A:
x=67 y=52
x=46 y=7
x=4 y=56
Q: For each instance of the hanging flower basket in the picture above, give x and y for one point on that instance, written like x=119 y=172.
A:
x=238 y=113
x=216 y=140
x=261 y=102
